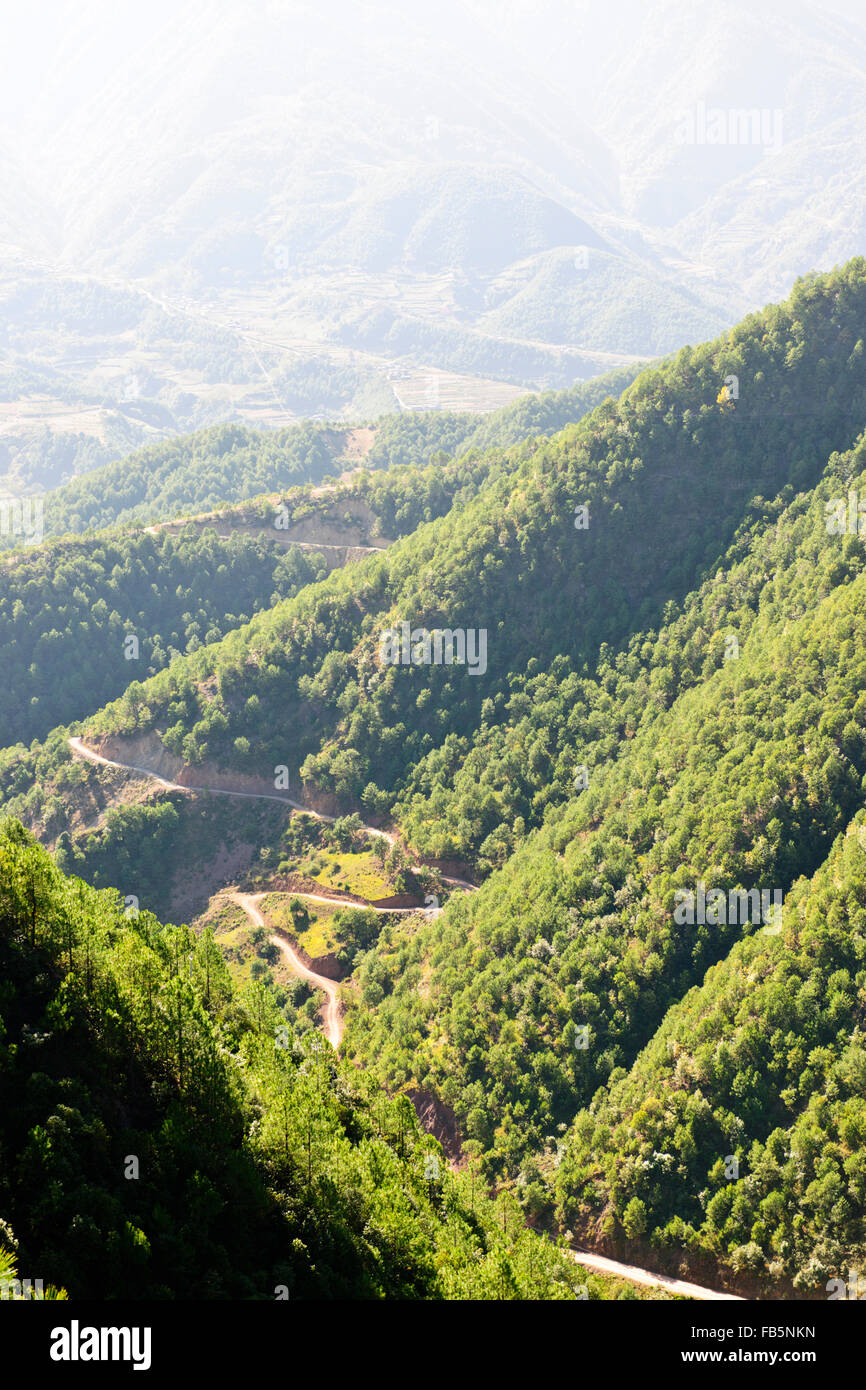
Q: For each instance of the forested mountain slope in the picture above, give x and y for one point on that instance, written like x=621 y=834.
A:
x=68 y=607
x=80 y=619
x=369 y=508
x=194 y=473
x=667 y=474
x=740 y=781
x=674 y=596
x=166 y=1137
x=229 y=463
x=764 y=1063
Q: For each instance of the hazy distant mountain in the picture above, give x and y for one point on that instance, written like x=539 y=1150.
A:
x=487 y=190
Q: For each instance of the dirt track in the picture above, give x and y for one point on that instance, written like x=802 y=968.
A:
x=83 y=751
x=332 y=1017
x=333 y=1022
x=650 y=1280
x=81 y=748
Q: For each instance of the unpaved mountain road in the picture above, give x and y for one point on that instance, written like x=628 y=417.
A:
x=650 y=1280
x=333 y=1018
x=83 y=751
x=333 y=1021
x=81 y=748
x=360 y=902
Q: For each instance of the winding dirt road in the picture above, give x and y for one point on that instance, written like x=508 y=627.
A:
x=79 y=747
x=332 y=1017
x=359 y=902
x=650 y=1280
x=333 y=1022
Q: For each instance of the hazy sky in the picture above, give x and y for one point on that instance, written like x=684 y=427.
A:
x=105 y=102
x=56 y=53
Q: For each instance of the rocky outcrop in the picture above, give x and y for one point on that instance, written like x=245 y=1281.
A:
x=437 y=1119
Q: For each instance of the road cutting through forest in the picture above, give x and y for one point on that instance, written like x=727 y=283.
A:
x=79 y=747
x=333 y=1019
x=636 y=1275
x=247 y=901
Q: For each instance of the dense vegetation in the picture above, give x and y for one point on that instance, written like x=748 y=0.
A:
x=673 y=696
x=738 y=773
x=764 y=1062
x=68 y=611
x=167 y=1137
x=229 y=463
x=511 y=562
x=192 y=474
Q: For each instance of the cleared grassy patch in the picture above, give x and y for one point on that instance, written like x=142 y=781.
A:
x=357 y=872
x=324 y=930
x=244 y=946
x=319 y=937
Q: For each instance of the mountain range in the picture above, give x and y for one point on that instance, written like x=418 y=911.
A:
x=325 y=213
x=490 y=865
